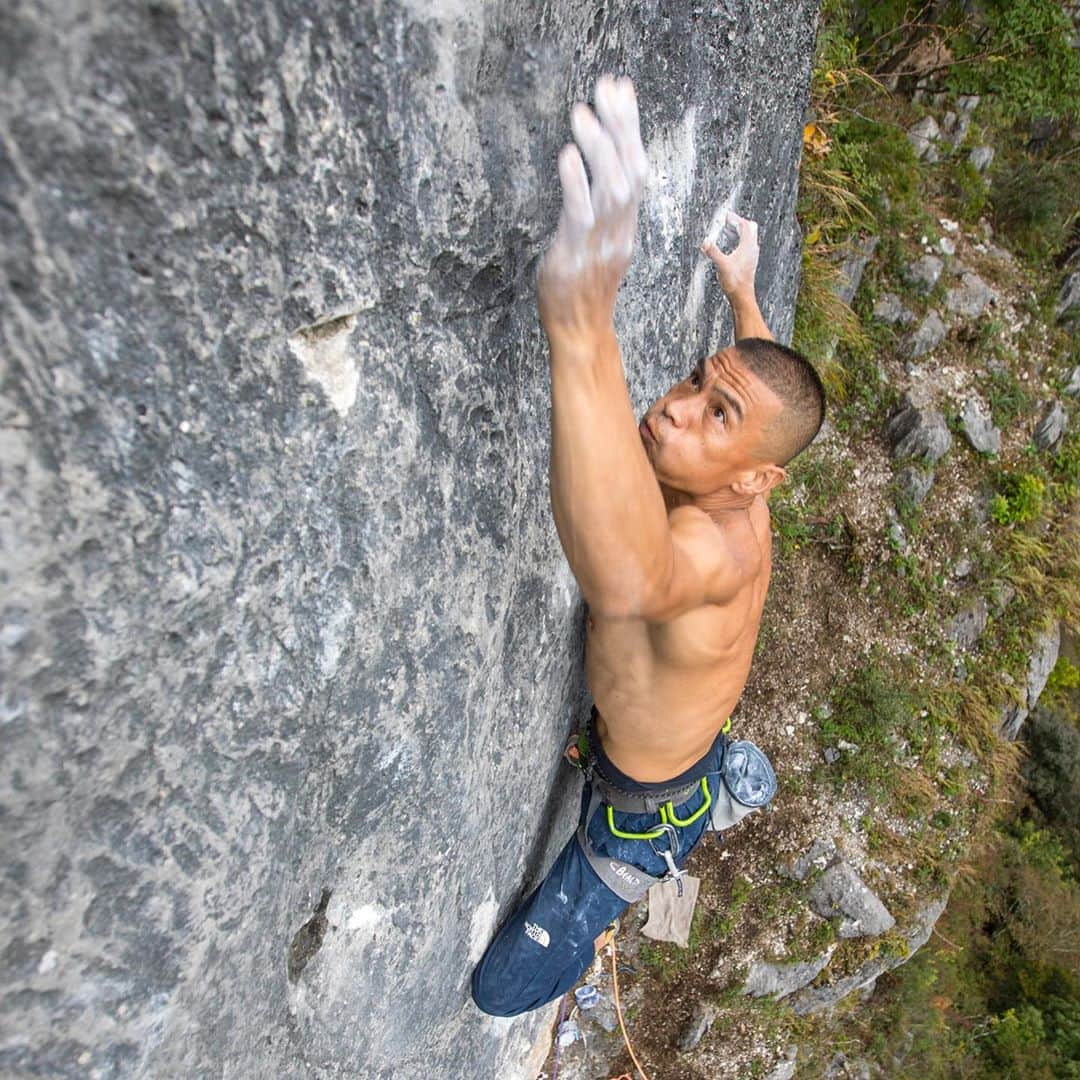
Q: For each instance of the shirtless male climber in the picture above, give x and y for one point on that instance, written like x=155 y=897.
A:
x=666 y=527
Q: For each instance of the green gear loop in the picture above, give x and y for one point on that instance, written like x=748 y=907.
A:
x=667 y=817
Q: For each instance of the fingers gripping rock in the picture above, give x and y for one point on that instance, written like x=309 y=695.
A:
x=738 y=269
x=577 y=211
x=611 y=189
x=616 y=104
x=584 y=265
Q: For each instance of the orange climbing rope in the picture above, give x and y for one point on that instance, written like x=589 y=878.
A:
x=618 y=1012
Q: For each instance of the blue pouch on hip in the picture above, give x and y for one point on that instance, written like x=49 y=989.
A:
x=747 y=783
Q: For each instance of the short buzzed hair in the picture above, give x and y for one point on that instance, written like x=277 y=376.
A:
x=795 y=382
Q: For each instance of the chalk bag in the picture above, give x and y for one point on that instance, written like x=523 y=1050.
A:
x=748 y=784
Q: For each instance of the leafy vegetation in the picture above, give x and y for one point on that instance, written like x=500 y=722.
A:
x=1020 y=54
x=1019 y=501
x=997 y=994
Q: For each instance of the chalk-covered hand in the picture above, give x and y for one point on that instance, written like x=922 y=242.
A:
x=736 y=271
x=584 y=266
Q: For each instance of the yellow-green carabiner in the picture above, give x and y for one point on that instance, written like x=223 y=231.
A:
x=667 y=811
x=652 y=835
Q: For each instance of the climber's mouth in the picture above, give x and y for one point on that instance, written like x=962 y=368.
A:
x=646 y=432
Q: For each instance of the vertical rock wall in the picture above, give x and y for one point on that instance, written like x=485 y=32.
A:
x=285 y=624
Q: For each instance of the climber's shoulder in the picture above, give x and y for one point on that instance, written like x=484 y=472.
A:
x=714 y=557
x=729 y=548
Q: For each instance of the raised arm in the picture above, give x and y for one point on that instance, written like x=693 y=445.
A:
x=736 y=273
x=608 y=507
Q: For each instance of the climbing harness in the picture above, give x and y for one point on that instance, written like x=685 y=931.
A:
x=745 y=782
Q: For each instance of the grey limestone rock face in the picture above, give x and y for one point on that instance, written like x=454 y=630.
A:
x=1044 y=655
x=924 y=136
x=841 y=893
x=968 y=626
x=926 y=337
x=954 y=127
x=979 y=427
x=1067 y=309
x=780 y=980
x=981 y=157
x=924 y=272
x=1051 y=426
x=285 y=622
x=914 y=483
x=890 y=309
x=854 y=265
x=786 y=1069
x=894 y=529
x=697 y=1027
x=816 y=857
x=917 y=430
x=970 y=298
x=842 y=1067
x=1072 y=385
x=818 y=998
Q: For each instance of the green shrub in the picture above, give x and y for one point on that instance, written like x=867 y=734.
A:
x=1035 y=204
x=1052 y=772
x=1065 y=676
x=1008 y=397
x=1020 y=499
x=969 y=190
x=871 y=711
x=878 y=158
x=1020 y=53
x=1014 y=1042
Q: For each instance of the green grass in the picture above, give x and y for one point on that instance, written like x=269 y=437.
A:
x=869 y=712
x=806 y=509
x=1009 y=400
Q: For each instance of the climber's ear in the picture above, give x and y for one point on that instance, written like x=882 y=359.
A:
x=759 y=481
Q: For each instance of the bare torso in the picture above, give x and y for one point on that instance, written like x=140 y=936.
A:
x=664 y=690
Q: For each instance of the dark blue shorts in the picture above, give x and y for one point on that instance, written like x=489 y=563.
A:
x=546 y=945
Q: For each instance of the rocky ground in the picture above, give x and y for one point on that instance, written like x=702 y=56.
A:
x=903 y=591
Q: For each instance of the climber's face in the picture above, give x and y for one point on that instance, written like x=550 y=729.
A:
x=707 y=433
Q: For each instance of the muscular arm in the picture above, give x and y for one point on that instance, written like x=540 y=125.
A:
x=736 y=273
x=608 y=508
x=628 y=558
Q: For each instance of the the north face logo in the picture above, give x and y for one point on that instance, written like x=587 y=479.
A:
x=538 y=934
x=621 y=871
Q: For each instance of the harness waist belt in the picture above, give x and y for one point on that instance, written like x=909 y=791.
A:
x=642 y=802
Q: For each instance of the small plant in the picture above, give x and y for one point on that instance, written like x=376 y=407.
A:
x=868 y=713
x=970 y=191
x=1064 y=677
x=1020 y=501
